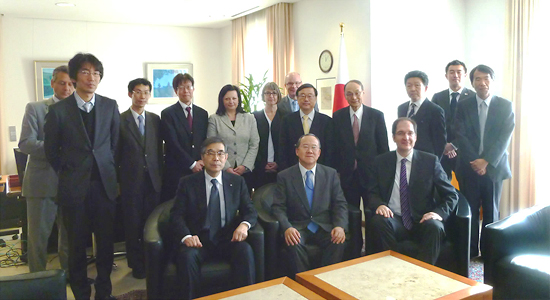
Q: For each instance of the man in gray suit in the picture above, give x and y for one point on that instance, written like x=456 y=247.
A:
x=289 y=103
x=484 y=126
x=455 y=72
x=311 y=208
x=40 y=181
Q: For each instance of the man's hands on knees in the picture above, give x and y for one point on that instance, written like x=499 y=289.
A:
x=193 y=242
x=292 y=236
x=338 y=235
x=384 y=211
x=431 y=215
x=241 y=233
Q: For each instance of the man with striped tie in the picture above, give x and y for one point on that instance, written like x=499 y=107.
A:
x=401 y=190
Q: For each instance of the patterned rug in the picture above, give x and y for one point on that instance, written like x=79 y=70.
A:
x=133 y=295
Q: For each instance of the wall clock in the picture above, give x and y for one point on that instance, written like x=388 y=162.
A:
x=325 y=61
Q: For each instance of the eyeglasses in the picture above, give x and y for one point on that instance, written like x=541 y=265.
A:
x=402 y=133
x=212 y=153
x=356 y=94
x=309 y=147
x=304 y=96
x=185 y=87
x=294 y=83
x=139 y=93
x=270 y=93
x=88 y=73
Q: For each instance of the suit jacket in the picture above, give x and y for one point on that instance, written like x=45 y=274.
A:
x=292 y=130
x=373 y=140
x=71 y=152
x=284 y=106
x=291 y=207
x=181 y=144
x=139 y=156
x=499 y=126
x=426 y=177
x=40 y=178
x=189 y=213
x=263 y=132
x=431 y=132
x=442 y=99
x=242 y=140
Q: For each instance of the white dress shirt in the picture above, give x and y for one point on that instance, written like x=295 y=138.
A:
x=395 y=198
x=303 y=170
x=358 y=113
x=80 y=102
x=417 y=105
x=136 y=115
x=270 y=147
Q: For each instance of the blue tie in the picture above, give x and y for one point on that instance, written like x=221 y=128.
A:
x=294 y=105
x=309 y=193
x=214 y=211
x=141 y=125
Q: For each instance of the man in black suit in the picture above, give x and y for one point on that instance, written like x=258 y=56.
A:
x=447 y=99
x=140 y=164
x=311 y=208
x=429 y=116
x=305 y=121
x=183 y=128
x=402 y=186
x=205 y=223
x=484 y=126
x=361 y=135
x=81 y=136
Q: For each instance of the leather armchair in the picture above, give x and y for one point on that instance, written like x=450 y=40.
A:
x=262 y=199
x=161 y=277
x=50 y=284
x=455 y=250
x=516 y=255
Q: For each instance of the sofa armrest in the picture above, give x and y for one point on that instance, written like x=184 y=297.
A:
x=256 y=239
x=459 y=227
x=356 y=234
x=50 y=284
x=271 y=232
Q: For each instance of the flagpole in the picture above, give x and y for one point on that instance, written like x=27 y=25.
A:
x=343 y=76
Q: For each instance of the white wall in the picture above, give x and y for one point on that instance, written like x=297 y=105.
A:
x=123 y=50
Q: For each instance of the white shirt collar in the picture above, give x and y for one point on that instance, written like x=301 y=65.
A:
x=359 y=112
x=488 y=100
x=459 y=91
x=408 y=157
x=209 y=178
x=310 y=115
x=185 y=106
x=135 y=114
x=55 y=99
x=303 y=170
x=80 y=102
x=417 y=104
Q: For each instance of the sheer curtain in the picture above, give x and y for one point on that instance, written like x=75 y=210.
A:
x=280 y=40
x=237 y=63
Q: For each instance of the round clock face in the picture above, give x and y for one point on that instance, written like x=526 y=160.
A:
x=325 y=61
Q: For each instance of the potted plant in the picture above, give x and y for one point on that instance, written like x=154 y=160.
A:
x=250 y=92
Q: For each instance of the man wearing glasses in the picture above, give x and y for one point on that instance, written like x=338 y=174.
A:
x=205 y=222
x=305 y=120
x=183 y=128
x=139 y=161
x=81 y=136
x=289 y=103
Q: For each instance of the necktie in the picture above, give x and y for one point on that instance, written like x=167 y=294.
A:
x=141 y=125
x=88 y=106
x=355 y=128
x=454 y=95
x=189 y=117
x=309 y=193
x=404 y=195
x=214 y=211
x=305 y=124
x=411 y=113
x=294 y=105
x=482 y=120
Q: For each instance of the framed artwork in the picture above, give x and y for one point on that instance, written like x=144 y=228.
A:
x=43 y=71
x=325 y=89
x=161 y=76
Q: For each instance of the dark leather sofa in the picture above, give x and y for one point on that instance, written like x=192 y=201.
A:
x=50 y=284
x=159 y=259
x=455 y=251
x=516 y=255
x=274 y=253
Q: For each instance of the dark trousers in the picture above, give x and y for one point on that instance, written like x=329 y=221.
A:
x=96 y=213
x=386 y=234
x=298 y=257
x=136 y=208
x=481 y=191
x=189 y=261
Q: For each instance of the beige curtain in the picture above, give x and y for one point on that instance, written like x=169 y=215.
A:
x=280 y=40
x=519 y=191
x=237 y=63
x=2 y=105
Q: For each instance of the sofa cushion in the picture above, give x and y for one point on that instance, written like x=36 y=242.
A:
x=523 y=277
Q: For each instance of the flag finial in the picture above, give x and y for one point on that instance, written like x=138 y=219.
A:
x=342 y=28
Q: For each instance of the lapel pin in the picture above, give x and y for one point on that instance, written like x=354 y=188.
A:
x=230 y=184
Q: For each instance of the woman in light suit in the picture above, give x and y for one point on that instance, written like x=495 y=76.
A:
x=238 y=130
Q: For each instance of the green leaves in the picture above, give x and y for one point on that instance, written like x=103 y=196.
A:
x=250 y=92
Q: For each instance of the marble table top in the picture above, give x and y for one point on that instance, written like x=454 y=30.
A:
x=274 y=292
x=389 y=278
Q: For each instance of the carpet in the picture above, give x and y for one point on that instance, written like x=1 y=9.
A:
x=133 y=295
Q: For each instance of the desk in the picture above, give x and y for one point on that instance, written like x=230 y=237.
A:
x=390 y=275
x=17 y=209
x=280 y=288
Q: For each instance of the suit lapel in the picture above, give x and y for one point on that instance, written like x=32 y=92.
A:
x=227 y=194
x=225 y=120
x=132 y=127
x=416 y=163
x=390 y=173
x=74 y=114
x=465 y=94
x=474 y=116
x=200 y=192
x=180 y=115
x=319 y=186
x=366 y=122
x=298 y=184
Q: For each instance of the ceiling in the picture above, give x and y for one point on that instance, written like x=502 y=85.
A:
x=194 y=13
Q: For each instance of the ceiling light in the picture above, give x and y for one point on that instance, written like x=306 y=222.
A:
x=64 y=4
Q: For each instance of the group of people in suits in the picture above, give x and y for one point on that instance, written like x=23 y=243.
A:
x=209 y=166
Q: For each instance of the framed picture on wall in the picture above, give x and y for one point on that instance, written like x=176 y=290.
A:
x=161 y=76
x=43 y=71
x=325 y=98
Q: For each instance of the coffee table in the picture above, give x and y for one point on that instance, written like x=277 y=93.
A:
x=282 y=288
x=389 y=275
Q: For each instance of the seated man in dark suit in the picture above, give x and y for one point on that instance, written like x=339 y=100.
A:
x=205 y=222
x=311 y=208
x=401 y=190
